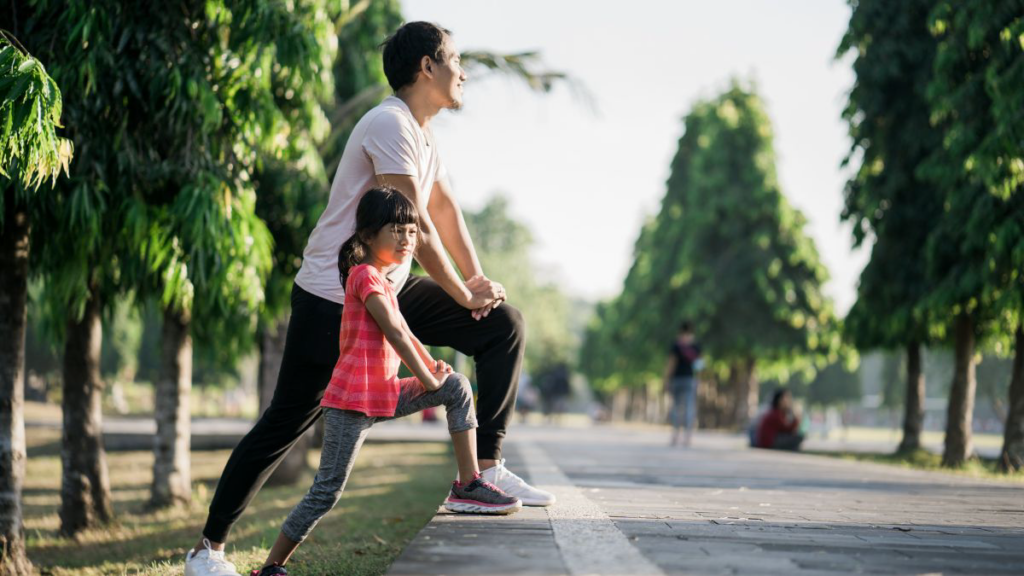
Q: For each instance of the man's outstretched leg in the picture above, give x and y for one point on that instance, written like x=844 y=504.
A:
x=310 y=353
x=496 y=343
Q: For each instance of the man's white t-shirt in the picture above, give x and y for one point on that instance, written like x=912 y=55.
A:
x=387 y=140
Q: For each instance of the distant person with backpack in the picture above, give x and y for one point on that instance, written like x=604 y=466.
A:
x=684 y=361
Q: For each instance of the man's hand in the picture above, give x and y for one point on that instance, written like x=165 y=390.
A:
x=487 y=293
x=438 y=372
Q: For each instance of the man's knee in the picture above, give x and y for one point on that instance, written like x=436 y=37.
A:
x=512 y=319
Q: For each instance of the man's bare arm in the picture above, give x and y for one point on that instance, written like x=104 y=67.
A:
x=451 y=228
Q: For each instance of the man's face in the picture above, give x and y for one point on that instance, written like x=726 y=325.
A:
x=449 y=76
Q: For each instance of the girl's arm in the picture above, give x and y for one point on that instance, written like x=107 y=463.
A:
x=420 y=348
x=393 y=327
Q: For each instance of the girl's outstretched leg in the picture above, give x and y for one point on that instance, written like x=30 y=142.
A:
x=344 y=432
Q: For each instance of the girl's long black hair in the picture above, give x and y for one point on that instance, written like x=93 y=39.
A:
x=379 y=207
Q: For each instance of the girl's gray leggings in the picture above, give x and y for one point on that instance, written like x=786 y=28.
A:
x=344 y=432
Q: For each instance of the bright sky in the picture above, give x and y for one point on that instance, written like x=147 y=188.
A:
x=585 y=181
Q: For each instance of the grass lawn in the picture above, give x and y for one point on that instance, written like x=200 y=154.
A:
x=925 y=460
x=394 y=491
x=894 y=435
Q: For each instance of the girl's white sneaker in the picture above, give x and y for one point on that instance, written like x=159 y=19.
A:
x=513 y=485
x=208 y=562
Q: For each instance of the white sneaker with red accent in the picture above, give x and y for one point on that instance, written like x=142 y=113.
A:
x=513 y=485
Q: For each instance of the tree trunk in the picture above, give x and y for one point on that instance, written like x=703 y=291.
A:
x=85 y=483
x=733 y=391
x=714 y=405
x=961 y=395
x=913 y=418
x=296 y=462
x=13 y=295
x=172 y=477
x=1012 y=457
x=746 y=393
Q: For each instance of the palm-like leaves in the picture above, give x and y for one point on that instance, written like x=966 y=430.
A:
x=31 y=152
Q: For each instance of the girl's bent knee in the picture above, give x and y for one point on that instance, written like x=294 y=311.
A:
x=458 y=401
x=459 y=386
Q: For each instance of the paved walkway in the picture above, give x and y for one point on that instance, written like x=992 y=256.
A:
x=629 y=504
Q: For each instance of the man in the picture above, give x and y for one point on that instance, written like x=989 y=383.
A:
x=392 y=144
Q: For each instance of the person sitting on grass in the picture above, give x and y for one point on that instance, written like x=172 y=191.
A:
x=779 y=427
x=365 y=388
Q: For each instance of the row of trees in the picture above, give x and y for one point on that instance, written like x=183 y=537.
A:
x=937 y=130
x=203 y=137
x=935 y=121
x=728 y=252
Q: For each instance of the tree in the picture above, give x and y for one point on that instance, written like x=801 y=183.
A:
x=31 y=153
x=728 y=252
x=978 y=255
x=178 y=107
x=886 y=200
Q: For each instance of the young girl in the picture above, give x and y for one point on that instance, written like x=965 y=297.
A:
x=365 y=387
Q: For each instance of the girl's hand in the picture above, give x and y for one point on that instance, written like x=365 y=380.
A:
x=440 y=370
x=438 y=373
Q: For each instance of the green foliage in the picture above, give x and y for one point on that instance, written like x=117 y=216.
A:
x=978 y=250
x=31 y=152
x=174 y=110
x=726 y=251
x=886 y=199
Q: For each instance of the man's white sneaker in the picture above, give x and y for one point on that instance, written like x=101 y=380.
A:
x=208 y=562
x=515 y=486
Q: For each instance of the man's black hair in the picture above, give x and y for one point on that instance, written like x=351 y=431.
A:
x=404 y=50
x=686 y=326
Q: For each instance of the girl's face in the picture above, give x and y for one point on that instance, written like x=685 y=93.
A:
x=393 y=244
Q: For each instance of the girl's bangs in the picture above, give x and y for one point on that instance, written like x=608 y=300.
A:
x=402 y=210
